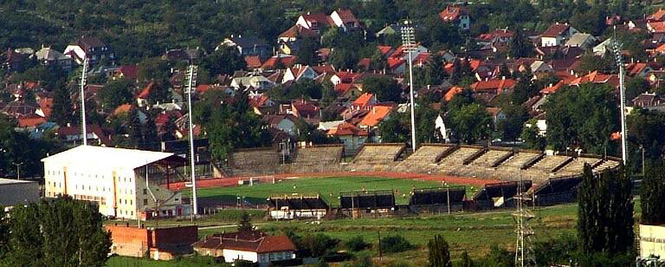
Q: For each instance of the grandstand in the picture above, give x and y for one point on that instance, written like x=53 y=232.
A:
x=425 y=158
x=546 y=167
x=499 y=194
x=436 y=199
x=319 y=154
x=371 y=200
x=557 y=190
x=609 y=163
x=254 y=161
x=376 y=157
x=492 y=157
x=576 y=166
x=451 y=163
x=293 y=207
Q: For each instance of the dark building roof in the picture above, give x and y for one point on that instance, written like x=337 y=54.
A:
x=253 y=241
x=429 y=196
x=369 y=199
x=297 y=202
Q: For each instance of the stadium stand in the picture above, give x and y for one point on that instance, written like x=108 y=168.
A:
x=319 y=155
x=425 y=158
x=254 y=161
x=557 y=190
x=293 y=207
x=437 y=199
x=489 y=159
x=455 y=161
x=499 y=194
x=610 y=163
x=577 y=165
x=376 y=157
x=379 y=199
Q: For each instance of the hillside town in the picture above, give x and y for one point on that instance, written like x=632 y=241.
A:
x=470 y=117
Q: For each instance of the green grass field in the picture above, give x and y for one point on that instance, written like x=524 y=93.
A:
x=328 y=188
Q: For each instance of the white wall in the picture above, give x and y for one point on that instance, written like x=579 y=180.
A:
x=231 y=255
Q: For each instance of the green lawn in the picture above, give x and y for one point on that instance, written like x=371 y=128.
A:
x=328 y=188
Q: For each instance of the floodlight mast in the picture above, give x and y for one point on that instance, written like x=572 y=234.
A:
x=83 y=81
x=408 y=43
x=191 y=76
x=622 y=96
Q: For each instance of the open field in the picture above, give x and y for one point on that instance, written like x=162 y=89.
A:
x=328 y=188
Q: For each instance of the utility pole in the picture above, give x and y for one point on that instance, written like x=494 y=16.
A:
x=18 y=170
x=191 y=76
x=84 y=73
x=409 y=45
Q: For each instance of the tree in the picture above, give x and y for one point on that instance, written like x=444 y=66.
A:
x=466 y=261
x=531 y=137
x=385 y=88
x=511 y=127
x=645 y=130
x=605 y=213
x=635 y=87
x=470 y=123
x=61 y=113
x=225 y=60
x=150 y=138
x=62 y=232
x=434 y=72
x=135 y=129
x=245 y=223
x=153 y=69
x=652 y=194
x=395 y=243
x=439 y=252
x=307 y=53
x=4 y=233
x=520 y=46
x=116 y=93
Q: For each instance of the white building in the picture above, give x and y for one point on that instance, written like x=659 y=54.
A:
x=251 y=246
x=114 y=178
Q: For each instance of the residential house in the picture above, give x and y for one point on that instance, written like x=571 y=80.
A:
x=363 y=102
x=91 y=48
x=297 y=32
x=656 y=27
x=126 y=71
x=603 y=48
x=299 y=72
x=657 y=16
x=283 y=122
x=184 y=55
x=253 y=246
x=457 y=15
x=315 y=22
x=499 y=39
x=261 y=104
x=290 y=47
x=51 y=57
x=539 y=68
x=344 y=18
x=279 y=62
x=247 y=46
x=15 y=59
x=19 y=108
x=256 y=82
x=646 y=100
x=72 y=135
x=497 y=115
x=376 y=115
x=352 y=136
x=638 y=69
x=582 y=40
x=557 y=34
x=253 y=62
x=490 y=88
x=143 y=96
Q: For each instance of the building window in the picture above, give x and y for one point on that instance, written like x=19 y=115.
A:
x=131 y=202
x=145 y=191
x=145 y=201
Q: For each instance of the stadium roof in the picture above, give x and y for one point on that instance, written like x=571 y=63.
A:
x=109 y=157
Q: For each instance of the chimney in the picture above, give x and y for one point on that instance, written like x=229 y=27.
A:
x=503 y=77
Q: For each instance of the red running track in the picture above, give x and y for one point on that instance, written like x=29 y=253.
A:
x=233 y=181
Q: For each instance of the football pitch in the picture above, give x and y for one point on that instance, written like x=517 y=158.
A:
x=328 y=188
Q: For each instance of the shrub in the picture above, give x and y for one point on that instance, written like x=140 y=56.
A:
x=395 y=243
x=318 y=245
x=356 y=243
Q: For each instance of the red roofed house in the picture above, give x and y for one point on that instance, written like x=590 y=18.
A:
x=656 y=26
x=344 y=18
x=457 y=15
x=499 y=38
x=298 y=72
x=304 y=109
x=30 y=121
x=375 y=116
x=276 y=61
x=352 y=136
x=552 y=88
x=126 y=71
x=645 y=100
x=557 y=34
x=159 y=243
x=315 y=21
x=495 y=87
x=250 y=246
x=658 y=16
x=363 y=101
x=73 y=135
x=142 y=97
x=253 y=62
x=296 y=32
x=260 y=103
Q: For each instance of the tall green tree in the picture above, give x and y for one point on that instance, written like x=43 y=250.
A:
x=605 y=213
x=511 y=127
x=62 y=232
x=245 y=222
x=116 y=93
x=652 y=194
x=520 y=46
x=385 y=88
x=439 y=252
x=434 y=72
x=471 y=123
x=225 y=60
x=61 y=113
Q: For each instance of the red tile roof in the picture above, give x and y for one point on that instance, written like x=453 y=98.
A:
x=286 y=60
x=452 y=13
x=145 y=93
x=129 y=71
x=452 y=92
x=555 y=30
x=30 y=121
x=256 y=242
x=346 y=129
x=658 y=16
x=375 y=116
x=320 y=18
x=394 y=63
x=46 y=104
x=552 y=88
x=298 y=31
x=384 y=49
x=327 y=68
x=656 y=27
x=499 y=85
x=346 y=15
x=363 y=100
x=124 y=108
x=253 y=62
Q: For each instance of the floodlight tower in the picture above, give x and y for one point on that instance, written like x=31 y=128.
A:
x=524 y=254
x=191 y=80
x=622 y=95
x=84 y=73
x=409 y=45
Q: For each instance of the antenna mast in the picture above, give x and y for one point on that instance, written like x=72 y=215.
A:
x=524 y=254
x=83 y=81
x=622 y=95
x=191 y=80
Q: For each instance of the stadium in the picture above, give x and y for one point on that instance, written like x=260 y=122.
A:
x=496 y=172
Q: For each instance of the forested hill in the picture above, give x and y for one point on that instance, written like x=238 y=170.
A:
x=146 y=28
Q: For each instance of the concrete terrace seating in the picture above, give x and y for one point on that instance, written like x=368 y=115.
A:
x=542 y=170
x=424 y=159
x=487 y=159
x=377 y=157
x=319 y=155
x=608 y=163
x=452 y=162
x=577 y=165
x=518 y=160
x=254 y=161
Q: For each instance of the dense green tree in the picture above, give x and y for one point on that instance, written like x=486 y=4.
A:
x=61 y=112
x=17 y=147
x=652 y=194
x=635 y=87
x=153 y=69
x=395 y=244
x=605 y=213
x=531 y=137
x=307 y=55
x=150 y=138
x=470 y=124
x=225 y=60
x=135 y=129
x=645 y=130
x=439 y=252
x=434 y=72
x=62 y=232
x=392 y=130
x=304 y=88
x=245 y=223
x=385 y=88
x=511 y=127
x=116 y=93
x=4 y=233
x=520 y=46
x=317 y=245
